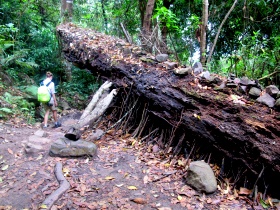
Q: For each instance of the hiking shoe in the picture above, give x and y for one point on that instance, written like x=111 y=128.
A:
x=44 y=126
x=56 y=125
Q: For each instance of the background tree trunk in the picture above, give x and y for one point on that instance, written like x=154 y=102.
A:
x=147 y=23
x=203 y=32
x=219 y=30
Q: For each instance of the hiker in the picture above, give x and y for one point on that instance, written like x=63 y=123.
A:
x=52 y=104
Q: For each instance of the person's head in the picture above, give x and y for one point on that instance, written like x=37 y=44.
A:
x=49 y=74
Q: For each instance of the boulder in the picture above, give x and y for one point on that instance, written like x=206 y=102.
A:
x=255 y=92
x=67 y=148
x=206 y=75
x=272 y=90
x=197 y=68
x=267 y=100
x=183 y=71
x=171 y=65
x=161 y=57
x=200 y=176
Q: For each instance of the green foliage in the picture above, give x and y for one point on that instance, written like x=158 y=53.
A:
x=167 y=17
x=19 y=105
x=83 y=84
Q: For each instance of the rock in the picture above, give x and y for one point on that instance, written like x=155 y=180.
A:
x=67 y=148
x=33 y=149
x=201 y=177
x=231 y=85
x=277 y=103
x=255 y=92
x=266 y=99
x=242 y=89
x=244 y=81
x=217 y=80
x=161 y=57
x=183 y=71
x=40 y=133
x=197 y=68
x=272 y=90
x=205 y=75
x=236 y=80
x=97 y=134
x=171 y=65
x=39 y=140
x=232 y=76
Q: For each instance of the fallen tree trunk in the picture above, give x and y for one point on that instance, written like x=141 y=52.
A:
x=248 y=134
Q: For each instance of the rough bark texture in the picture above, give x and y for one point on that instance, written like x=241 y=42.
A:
x=248 y=135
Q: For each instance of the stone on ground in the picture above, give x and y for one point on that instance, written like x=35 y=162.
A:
x=200 y=176
x=67 y=148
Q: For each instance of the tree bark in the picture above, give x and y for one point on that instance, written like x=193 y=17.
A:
x=147 y=24
x=246 y=134
x=203 y=32
x=219 y=31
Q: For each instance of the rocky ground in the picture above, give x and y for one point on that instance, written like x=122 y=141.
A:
x=124 y=174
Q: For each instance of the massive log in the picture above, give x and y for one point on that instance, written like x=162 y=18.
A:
x=248 y=134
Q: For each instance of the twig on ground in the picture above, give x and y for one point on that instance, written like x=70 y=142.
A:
x=164 y=176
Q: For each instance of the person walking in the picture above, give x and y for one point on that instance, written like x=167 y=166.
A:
x=52 y=104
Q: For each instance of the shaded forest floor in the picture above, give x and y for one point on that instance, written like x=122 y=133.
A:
x=125 y=174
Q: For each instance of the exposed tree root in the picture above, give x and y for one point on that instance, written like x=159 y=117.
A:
x=63 y=187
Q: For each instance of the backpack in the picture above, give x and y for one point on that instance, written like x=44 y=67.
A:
x=44 y=95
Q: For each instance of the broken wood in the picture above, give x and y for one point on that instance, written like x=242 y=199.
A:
x=63 y=187
x=96 y=97
x=75 y=132
x=248 y=135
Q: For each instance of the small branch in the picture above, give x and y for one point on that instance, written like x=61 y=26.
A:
x=275 y=72
x=164 y=176
x=149 y=135
x=219 y=30
x=64 y=186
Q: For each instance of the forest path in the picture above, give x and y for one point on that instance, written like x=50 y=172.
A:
x=124 y=175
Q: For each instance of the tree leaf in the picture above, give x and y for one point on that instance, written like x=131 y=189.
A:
x=109 y=178
x=139 y=200
x=5 y=167
x=10 y=151
x=43 y=206
x=132 y=188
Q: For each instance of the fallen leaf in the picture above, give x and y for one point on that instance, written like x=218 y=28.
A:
x=10 y=151
x=146 y=179
x=34 y=173
x=5 y=167
x=43 y=206
x=109 y=178
x=179 y=197
x=132 y=187
x=119 y=185
x=139 y=200
x=39 y=157
x=244 y=191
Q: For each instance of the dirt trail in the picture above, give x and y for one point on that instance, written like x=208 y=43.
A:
x=123 y=175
